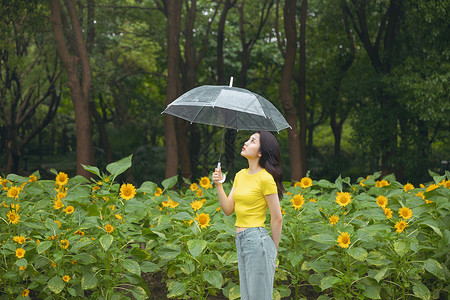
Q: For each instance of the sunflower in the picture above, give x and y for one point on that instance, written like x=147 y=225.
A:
x=61 y=179
x=298 y=201
x=15 y=206
x=66 y=278
x=74 y=262
x=387 y=212
x=165 y=203
x=408 y=187
x=109 y=228
x=205 y=182
x=333 y=219
x=405 y=213
x=19 y=239
x=344 y=240
x=64 y=244
x=343 y=199
x=118 y=217
x=196 y=205
x=428 y=201
x=446 y=184
x=194 y=187
x=421 y=195
x=20 y=252
x=382 y=201
x=203 y=220
x=158 y=192
x=57 y=204
x=305 y=182
x=60 y=195
x=199 y=193
x=127 y=191
x=25 y=293
x=58 y=222
x=432 y=187
x=313 y=200
x=13 y=192
x=400 y=225
x=13 y=217
x=69 y=209
x=297 y=183
x=173 y=204
x=79 y=232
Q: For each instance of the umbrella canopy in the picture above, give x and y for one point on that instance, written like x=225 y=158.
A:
x=227 y=107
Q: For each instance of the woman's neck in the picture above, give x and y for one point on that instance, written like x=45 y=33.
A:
x=253 y=166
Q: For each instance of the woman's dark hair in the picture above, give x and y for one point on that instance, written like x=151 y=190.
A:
x=271 y=159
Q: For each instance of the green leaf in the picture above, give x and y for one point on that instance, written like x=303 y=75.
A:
x=84 y=241
x=435 y=268
x=148 y=187
x=328 y=282
x=381 y=274
x=294 y=258
x=176 y=289
x=196 y=247
x=358 y=253
x=320 y=266
x=372 y=291
x=338 y=183
x=56 y=284
x=43 y=246
x=88 y=281
x=169 y=182
x=421 y=291
x=181 y=216
x=131 y=266
x=214 y=278
x=234 y=293
x=93 y=170
x=433 y=225
x=139 y=293
x=401 y=247
x=106 y=240
x=149 y=267
x=118 y=167
x=326 y=184
x=324 y=238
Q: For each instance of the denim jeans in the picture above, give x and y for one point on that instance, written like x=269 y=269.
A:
x=256 y=254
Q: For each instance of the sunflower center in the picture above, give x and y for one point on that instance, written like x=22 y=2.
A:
x=202 y=220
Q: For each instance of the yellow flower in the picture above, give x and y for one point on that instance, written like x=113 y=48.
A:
x=95 y=188
x=361 y=183
x=400 y=225
x=199 y=193
x=74 y=262
x=382 y=201
x=405 y=213
x=22 y=268
x=58 y=222
x=381 y=183
x=421 y=195
x=305 y=182
x=69 y=209
x=387 y=212
x=19 y=239
x=196 y=205
x=64 y=244
x=112 y=207
x=20 y=252
x=66 y=278
x=203 y=220
x=432 y=187
x=344 y=240
x=127 y=191
x=428 y=201
x=298 y=201
x=313 y=200
x=13 y=217
x=109 y=228
x=118 y=217
x=57 y=204
x=15 y=207
x=79 y=232
x=297 y=184
x=173 y=204
x=61 y=194
x=13 y=192
x=194 y=187
x=165 y=203
x=158 y=192
x=408 y=187
x=447 y=184
x=205 y=182
x=343 y=199
x=219 y=208
x=333 y=219
x=25 y=292
x=61 y=179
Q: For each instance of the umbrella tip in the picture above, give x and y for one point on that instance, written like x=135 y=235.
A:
x=231 y=81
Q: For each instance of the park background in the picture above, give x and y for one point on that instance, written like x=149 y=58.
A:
x=364 y=85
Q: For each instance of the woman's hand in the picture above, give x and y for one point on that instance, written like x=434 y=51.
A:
x=217 y=176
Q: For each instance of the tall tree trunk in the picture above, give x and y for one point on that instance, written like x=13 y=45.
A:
x=79 y=83
x=220 y=37
x=173 y=46
x=285 y=91
x=302 y=88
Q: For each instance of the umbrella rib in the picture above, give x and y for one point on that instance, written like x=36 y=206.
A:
x=193 y=119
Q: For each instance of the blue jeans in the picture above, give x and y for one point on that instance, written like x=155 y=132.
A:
x=256 y=254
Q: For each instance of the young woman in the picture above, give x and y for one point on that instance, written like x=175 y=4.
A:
x=254 y=190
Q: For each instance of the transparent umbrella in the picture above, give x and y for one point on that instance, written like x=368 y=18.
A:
x=227 y=107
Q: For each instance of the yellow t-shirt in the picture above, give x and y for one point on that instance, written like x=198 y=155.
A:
x=249 y=202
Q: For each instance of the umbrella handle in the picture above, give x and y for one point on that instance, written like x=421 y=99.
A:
x=224 y=177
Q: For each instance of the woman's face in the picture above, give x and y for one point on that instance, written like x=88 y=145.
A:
x=251 y=147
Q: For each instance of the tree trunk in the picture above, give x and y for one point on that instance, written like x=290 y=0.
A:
x=285 y=92
x=173 y=40
x=79 y=83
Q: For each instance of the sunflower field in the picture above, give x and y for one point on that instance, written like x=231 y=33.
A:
x=73 y=238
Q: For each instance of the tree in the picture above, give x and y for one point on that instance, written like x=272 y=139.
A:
x=29 y=95
x=79 y=81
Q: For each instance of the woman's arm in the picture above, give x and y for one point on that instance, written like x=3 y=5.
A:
x=227 y=203
x=276 y=218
